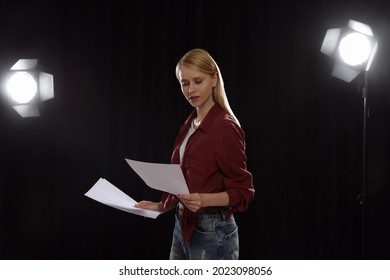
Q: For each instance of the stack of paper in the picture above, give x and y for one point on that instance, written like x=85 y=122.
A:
x=106 y=193
x=164 y=177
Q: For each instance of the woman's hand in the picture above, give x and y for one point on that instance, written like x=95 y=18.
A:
x=191 y=201
x=148 y=205
x=195 y=201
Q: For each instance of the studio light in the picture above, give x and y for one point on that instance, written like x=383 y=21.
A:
x=22 y=87
x=26 y=87
x=353 y=48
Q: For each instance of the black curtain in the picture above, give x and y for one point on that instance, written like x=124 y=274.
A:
x=116 y=97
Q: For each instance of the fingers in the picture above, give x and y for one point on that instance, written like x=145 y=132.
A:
x=148 y=205
x=192 y=201
x=190 y=197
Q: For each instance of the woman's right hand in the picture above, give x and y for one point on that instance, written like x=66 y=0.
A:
x=148 y=205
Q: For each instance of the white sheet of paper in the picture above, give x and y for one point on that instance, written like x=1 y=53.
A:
x=164 y=177
x=106 y=193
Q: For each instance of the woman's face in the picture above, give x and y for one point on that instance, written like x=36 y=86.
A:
x=197 y=87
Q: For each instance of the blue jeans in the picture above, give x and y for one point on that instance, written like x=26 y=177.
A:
x=215 y=237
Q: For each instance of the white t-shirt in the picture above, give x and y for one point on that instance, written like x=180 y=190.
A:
x=184 y=144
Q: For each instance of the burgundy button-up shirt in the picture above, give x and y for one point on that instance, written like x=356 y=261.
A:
x=214 y=161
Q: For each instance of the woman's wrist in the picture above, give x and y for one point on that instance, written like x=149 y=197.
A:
x=163 y=209
x=214 y=199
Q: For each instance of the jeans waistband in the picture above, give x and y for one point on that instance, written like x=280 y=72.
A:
x=216 y=212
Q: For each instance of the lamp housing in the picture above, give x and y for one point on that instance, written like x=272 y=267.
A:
x=26 y=87
x=353 y=48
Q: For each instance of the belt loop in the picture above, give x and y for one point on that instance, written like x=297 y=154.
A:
x=222 y=213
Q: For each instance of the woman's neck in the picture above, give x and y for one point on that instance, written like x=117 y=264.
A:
x=202 y=111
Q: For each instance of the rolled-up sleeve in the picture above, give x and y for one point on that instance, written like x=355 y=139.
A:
x=231 y=160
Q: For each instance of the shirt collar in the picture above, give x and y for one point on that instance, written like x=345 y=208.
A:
x=208 y=120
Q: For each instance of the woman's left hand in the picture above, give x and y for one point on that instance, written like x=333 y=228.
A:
x=193 y=201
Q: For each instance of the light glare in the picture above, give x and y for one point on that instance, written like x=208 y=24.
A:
x=22 y=87
x=355 y=49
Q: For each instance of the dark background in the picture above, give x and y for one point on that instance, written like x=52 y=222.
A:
x=116 y=97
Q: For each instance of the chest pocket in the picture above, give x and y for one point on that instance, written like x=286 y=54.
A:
x=195 y=166
x=199 y=170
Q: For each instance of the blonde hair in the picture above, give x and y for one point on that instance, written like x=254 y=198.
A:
x=203 y=62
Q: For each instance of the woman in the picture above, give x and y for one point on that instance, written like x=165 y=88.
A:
x=210 y=148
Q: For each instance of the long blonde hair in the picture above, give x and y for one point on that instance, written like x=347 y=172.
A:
x=203 y=62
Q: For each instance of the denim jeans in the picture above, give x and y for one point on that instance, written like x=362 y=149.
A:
x=215 y=237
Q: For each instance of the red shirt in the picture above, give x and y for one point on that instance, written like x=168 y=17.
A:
x=214 y=161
